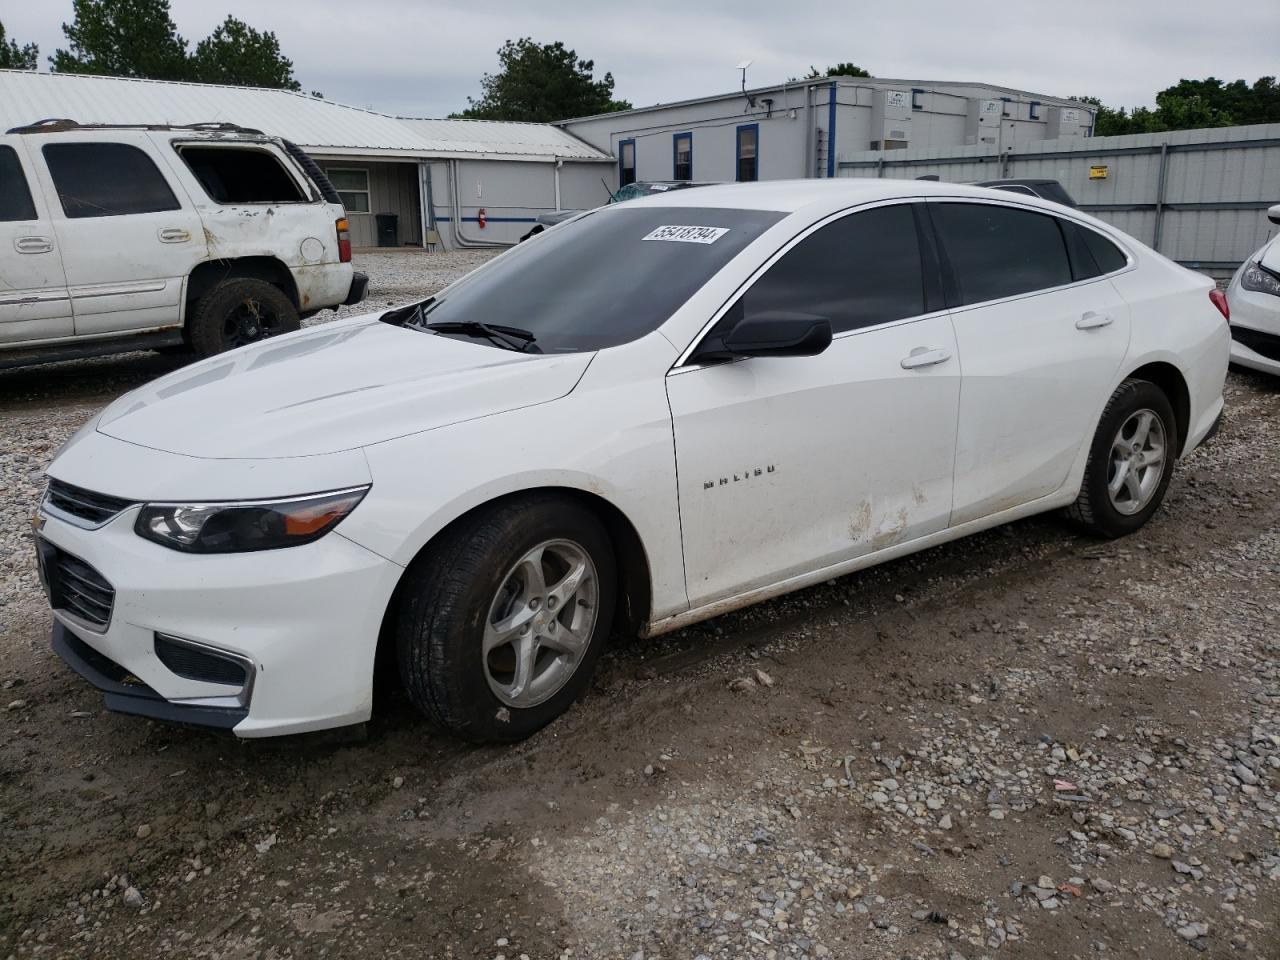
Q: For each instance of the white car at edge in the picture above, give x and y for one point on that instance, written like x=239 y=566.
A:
x=1254 y=298
x=234 y=543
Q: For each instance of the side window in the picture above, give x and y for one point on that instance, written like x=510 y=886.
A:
x=240 y=175
x=106 y=180
x=861 y=270
x=1000 y=252
x=15 y=196
x=352 y=184
x=626 y=162
x=682 y=156
x=1106 y=254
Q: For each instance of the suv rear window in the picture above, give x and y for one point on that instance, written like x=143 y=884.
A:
x=15 y=197
x=106 y=180
x=240 y=175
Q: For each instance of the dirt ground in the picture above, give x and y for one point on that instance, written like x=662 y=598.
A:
x=1027 y=744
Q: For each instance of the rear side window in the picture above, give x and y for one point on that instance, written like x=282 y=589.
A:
x=1000 y=252
x=859 y=271
x=106 y=180
x=1106 y=254
x=239 y=175
x=15 y=196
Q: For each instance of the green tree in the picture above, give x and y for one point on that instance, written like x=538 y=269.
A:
x=839 y=70
x=1189 y=104
x=541 y=82
x=123 y=38
x=14 y=57
x=236 y=53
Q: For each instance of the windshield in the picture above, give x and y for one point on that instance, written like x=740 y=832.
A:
x=609 y=278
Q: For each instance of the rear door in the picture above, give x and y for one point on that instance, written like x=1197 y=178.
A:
x=129 y=236
x=33 y=289
x=1042 y=336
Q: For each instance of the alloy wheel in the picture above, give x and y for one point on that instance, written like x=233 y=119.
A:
x=1137 y=461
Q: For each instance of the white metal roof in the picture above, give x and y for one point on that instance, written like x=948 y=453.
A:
x=319 y=126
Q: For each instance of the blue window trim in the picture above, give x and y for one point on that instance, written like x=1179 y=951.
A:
x=831 y=130
x=635 y=159
x=737 y=149
x=915 y=98
x=1034 y=105
x=675 y=151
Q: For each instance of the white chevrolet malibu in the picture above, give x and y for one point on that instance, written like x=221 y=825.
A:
x=661 y=411
x=1254 y=299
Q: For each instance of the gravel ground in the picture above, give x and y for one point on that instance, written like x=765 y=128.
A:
x=1027 y=744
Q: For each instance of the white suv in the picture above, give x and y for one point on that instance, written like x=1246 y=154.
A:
x=203 y=237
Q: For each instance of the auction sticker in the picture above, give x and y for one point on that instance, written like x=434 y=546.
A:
x=687 y=234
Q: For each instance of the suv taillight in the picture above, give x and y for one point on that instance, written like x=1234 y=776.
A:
x=1220 y=301
x=344 y=240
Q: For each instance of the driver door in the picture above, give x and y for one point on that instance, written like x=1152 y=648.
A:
x=787 y=465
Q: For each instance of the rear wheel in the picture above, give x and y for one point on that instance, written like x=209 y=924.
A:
x=1130 y=461
x=237 y=312
x=502 y=621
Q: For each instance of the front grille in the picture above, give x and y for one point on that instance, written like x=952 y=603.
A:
x=94 y=508
x=75 y=587
x=1266 y=344
x=196 y=664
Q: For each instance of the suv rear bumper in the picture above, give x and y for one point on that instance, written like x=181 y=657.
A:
x=359 y=287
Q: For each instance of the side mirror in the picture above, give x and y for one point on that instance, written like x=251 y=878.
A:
x=1273 y=214
x=779 y=334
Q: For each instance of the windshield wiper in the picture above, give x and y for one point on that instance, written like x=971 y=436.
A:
x=513 y=338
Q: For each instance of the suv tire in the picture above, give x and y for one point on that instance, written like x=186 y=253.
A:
x=491 y=649
x=1130 y=463
x=237 y=312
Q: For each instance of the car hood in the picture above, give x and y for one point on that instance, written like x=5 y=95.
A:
x=336 y=387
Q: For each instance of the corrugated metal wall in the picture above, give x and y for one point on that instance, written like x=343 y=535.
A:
x=1197 y=196
x=393 y=188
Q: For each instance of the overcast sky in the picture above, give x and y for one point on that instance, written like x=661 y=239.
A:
x=424 y=58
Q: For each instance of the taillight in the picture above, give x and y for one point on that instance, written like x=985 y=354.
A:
x=1220 y=301
x=344 y=240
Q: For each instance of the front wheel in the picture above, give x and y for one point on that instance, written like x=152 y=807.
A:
x=1130 y=461
x=237 y=312
x=501 y=622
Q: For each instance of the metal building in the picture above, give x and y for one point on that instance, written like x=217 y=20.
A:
x=802 y=129
x=405 y=182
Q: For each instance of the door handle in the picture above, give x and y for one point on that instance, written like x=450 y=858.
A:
x=1092 y=321
x=924 y=357
x=174 y=235
x=33 y=244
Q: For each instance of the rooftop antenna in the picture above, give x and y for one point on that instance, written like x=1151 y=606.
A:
x=743 y=67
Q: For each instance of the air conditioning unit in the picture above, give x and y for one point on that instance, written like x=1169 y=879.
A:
x=1067 y=122
x=982 y=121
x=891 y=120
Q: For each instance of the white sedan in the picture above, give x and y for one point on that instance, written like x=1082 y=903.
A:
x=683 y=405
x=1254 y=298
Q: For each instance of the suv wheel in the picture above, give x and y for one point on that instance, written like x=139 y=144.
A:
x=501 y=623
x=1130 y=461
x=238 y=312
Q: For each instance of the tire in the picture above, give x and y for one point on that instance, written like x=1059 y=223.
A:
x=1114 y=461
x=237 y=312
x=476 y=575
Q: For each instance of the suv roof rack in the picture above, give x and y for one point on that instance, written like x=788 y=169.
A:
x=59 y=124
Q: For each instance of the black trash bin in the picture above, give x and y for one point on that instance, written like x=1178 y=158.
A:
x=387 y=229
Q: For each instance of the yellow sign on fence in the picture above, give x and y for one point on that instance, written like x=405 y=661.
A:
x=1098 y=172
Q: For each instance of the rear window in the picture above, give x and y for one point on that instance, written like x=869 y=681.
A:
x=15 y=197
x=998 y=252
x=106 y=180
x=606 y=279
x=240 y=175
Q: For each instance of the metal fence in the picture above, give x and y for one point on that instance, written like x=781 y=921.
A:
x=1200 y=197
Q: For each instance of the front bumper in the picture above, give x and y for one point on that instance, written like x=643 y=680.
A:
x=359 y=287
x=1255 y=328
x=305 y=619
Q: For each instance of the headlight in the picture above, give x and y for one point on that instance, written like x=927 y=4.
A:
x=248 y=525
x=1259 y=279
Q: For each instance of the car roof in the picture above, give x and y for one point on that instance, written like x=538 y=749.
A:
x=790 y=196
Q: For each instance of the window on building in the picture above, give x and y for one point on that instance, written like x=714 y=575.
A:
x=748 y=152
x=682 y=156
x=626 y=162
x=999 y=251
x=917 y=98
x=859 y=271
x=240 y=175
x=352 y=184
x=1035 y=109
x=106 y=180
x=15 y=196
